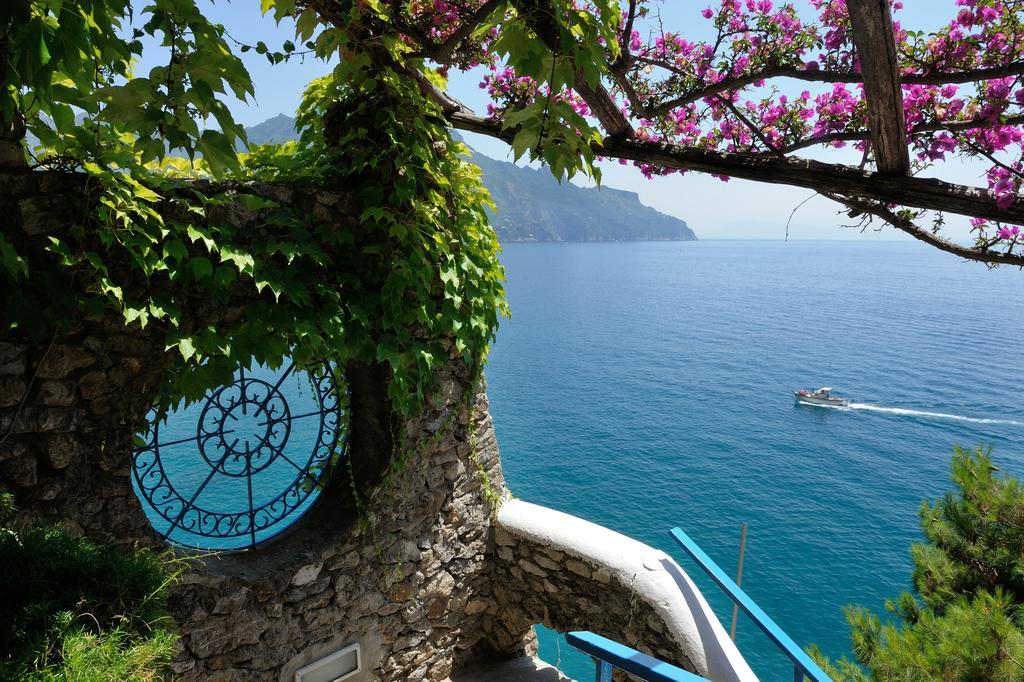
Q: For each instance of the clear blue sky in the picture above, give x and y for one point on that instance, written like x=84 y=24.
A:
x=737 y=209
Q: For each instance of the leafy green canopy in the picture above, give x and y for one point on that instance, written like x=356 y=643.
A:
x=966 y=622
x=73 y=58
x=71 y=610
x=417 y=266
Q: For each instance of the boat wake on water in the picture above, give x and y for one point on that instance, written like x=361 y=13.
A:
x=933 y=415
x=823 y=397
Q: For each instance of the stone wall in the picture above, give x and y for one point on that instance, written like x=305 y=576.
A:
x=71 y=403
x=66 y=452
x=410 y=565
x=408 y=578
x=411 y=584
x=570 y=574
x=405 y=571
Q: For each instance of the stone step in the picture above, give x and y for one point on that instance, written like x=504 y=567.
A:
x=523 y=669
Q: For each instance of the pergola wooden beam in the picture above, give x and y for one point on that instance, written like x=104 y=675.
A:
x=862 y=191
x=871 y=22
x=827 y=178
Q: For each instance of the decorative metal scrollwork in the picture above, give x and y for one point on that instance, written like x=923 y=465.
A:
x=245 y=463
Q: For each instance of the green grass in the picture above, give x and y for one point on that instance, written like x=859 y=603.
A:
x=74 y=610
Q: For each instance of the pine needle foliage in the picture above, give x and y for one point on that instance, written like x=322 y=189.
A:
x=964 y=620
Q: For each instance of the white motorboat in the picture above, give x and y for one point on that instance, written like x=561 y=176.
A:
x=821 y=396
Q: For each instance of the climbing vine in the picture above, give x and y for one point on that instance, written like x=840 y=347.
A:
x=213 y=249
x=422 y=277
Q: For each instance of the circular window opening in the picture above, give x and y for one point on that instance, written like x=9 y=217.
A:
x=238 y=467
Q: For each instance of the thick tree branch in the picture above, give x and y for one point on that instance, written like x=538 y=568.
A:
x=653 y=109
x=839 y=179
x=826 y=177
x=604 y=108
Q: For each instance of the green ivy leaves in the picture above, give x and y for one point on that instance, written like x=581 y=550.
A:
x=226 y=275
x=549 y=129
x=425 y=279
x=13 y=262
x=69 y=75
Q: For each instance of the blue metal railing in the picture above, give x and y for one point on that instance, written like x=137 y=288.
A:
x=803 y=666
x=610 y=655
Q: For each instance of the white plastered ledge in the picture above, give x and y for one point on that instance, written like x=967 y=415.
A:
x=653 y=575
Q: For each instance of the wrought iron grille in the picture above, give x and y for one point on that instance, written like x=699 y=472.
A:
x=242 y=465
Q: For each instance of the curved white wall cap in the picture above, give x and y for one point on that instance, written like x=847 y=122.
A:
x=653 y=575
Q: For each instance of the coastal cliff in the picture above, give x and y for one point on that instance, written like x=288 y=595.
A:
x=533 y=206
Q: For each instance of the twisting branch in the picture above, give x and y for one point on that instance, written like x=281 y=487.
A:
x=995 y=160
x=907 y=225
x=440 y=52
x=627 y=33
x=921 y=129
x=793 y=212
x=653 y=109
x=754 y=130
x=828 y=138
x=969 y=124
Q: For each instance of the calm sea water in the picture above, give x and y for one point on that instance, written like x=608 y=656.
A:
x=647 y=385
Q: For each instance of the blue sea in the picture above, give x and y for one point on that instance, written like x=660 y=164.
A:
x=648 y=385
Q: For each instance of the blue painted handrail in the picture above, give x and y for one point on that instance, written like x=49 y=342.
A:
x=802 y=663
x=610 y=654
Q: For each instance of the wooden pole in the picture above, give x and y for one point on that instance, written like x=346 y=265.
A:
x=739 y=579
x=873 y=36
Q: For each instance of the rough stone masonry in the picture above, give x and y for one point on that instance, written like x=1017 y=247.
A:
x=398 y=554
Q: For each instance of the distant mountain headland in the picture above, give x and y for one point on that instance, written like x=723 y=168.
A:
x=274 y=130
x=533 y=206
